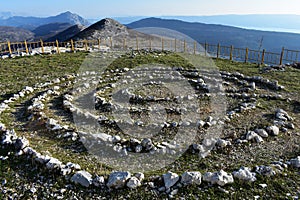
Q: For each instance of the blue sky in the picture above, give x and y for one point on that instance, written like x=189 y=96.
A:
x=100 y=8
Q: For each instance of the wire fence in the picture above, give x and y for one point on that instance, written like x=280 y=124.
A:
x=154 y=43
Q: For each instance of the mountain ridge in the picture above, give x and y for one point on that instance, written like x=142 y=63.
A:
x=30 y=23
x=226 y=35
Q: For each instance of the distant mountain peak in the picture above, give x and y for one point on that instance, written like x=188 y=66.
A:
x=106 y=27
x=31 y=23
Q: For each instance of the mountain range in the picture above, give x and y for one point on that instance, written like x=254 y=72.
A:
x=31 y=23
x=226 y=35
x=68 y=26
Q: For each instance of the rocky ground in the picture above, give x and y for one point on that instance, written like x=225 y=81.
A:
x=230 y=134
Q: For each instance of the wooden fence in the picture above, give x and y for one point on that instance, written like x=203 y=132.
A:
x=212 y=50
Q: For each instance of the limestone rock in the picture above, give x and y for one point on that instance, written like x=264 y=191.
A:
x=221 y=178
x=147 y=144
x=133 y=183
x=9 y=137
x=140 y=176
x=83 y=178
x=53 y=164
x=222 y=143
x=170 y=179
x=265 y=170
x=188 y=178
x=2 y=127
x=295 y=162
x=118 y=179
x=98 y=181
x=21 y=143
x=282 y=115
x=262 y=132
x=244 y=174
x=273 y=130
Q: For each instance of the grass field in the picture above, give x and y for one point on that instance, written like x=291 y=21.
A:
x=21 y=174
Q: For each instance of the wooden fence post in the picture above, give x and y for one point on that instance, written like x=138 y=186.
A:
x=85 y=45
x=246 y=55
x=231 y=52
x=184 y=46
x=162 y=44
x=150 y=42
x=218 y=50
x=42 y=45
x=281 y=56
x=263 y=56
x=124 y=43
x=205 y=49
x=99 y=43
x=57 y=47
x=72 y=46
x=195 y=47
x=111 y=43
x=137 y=43
x=26 y=47
x=9 y=48
x=175 y=47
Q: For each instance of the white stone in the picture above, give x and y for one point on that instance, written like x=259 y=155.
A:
x=21 y=143
x=98 y=181
x=104 y=137
x=140 y=176
x=138 y=148
x=258 y=139
x=221 y=178
x=265 y=170
x=244 y=174
x=223 y=143
x=53 y=163
x=147 y=144
x=170 y=179
x=262 y=133
x=118 y=179
x=263 y=185
x=2 y=127
x=133 y=183
x=73 y=166
x=9 y=138
x=188 y=178
x=28 y=89
x=42 y=159
x=283 y=115
x=83 y=178
x=251 y=135
x=295 y=162
x=273 y=130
